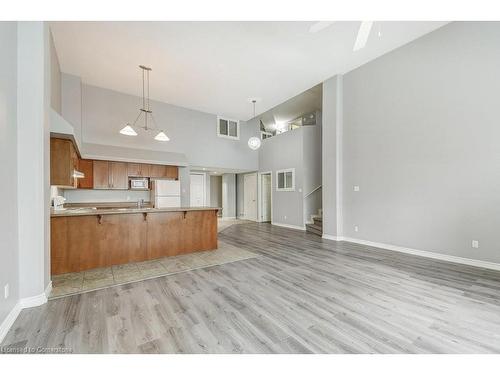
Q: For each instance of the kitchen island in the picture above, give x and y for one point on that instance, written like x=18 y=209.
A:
x=86 y=238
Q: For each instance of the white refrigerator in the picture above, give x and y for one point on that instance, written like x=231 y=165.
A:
x=166 y=193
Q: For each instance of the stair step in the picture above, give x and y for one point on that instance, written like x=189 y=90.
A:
x=318 y=219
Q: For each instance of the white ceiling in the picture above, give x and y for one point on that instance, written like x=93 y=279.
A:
x=216 y=66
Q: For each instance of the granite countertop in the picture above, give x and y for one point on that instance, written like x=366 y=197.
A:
x=86 y=211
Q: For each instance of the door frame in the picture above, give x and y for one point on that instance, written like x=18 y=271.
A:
x=204 y=186
x=259 y=195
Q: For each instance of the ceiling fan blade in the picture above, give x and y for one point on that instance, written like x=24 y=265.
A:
x=321 y=25
x=363 y=34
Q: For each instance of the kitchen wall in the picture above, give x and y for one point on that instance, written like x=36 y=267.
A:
x=100 y=196
x=104 y=112
x=55 y=78
x=421 y=130
x=9 y=255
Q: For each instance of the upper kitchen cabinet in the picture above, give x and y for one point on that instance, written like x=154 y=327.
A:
x=138 y=170
x=164 y=171
x=118 y=175
x=158 y=171
x=172 y=172
x=110 y=175
x=87 y=168
x=63 y=163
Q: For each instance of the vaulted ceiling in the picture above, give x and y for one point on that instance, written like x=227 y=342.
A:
x=216 y=66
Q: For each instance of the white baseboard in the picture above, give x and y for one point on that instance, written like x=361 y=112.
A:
x=421 y=253
x=290 y=226
x=36 y=300
x=333 y=238
x=228 y=218
x=9 y=321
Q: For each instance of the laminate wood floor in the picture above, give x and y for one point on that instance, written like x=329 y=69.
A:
x=303 y=295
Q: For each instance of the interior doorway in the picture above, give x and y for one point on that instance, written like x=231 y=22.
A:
x=265 y=197
x=197 y=189
x=250 y=196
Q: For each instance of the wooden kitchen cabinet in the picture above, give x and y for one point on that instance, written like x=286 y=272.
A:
x=101 y=174
x=118 y=175
x=110 y=175
x=63 y=163
x=138 y=170
x=158 y=171
x=172 y=172
x=87 y=168
x=164 y=171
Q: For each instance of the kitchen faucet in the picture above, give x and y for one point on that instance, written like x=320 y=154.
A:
x=140 y=203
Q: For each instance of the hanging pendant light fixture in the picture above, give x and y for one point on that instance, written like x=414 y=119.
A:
x=149 y=120
x=254 y=142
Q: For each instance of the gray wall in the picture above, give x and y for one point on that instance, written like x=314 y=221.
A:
x=71 y=102
x=229 y=195
x=421 y=133
x=331 y=157
x=104 y=113
x=9 y=268
x=215 y=191
x=312 y=169
x=55 y=78
x=282 y=152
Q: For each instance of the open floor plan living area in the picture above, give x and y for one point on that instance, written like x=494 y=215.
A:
x=250 y=187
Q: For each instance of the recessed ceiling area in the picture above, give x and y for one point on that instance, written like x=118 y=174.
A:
x=216 y=66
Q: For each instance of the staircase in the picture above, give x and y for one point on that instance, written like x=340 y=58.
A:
x=316 y=227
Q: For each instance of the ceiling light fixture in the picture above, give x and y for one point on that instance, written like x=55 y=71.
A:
x=131 y=130
x=254 y=142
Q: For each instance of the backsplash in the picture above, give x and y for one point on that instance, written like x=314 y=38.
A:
x=97 y=196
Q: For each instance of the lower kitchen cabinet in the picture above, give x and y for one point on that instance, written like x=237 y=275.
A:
x=79 y=243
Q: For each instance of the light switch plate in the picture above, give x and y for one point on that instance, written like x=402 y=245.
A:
x=356 y=187
x=6 y=291
x=475 y=244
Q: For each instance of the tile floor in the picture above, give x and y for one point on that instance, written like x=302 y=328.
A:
x=78 y=282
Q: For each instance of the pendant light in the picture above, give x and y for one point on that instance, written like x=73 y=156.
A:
x=149 y=120
x=254 y=142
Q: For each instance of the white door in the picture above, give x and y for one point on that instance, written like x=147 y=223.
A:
x=266 y=197
x=250 y=196
x=197 y=188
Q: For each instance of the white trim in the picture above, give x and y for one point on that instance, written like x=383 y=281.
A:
x=290 y=226
x=422 y=253
x=333 y=238
x=23 y=303
x=228 y=218
x=293 y=179
x=9 y=321
x=237 y=138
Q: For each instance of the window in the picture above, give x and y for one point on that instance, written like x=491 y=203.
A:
x=265 y=135
x=228 y=128
x=286 y=180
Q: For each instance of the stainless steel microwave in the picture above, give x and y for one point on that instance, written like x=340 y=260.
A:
x=139 y=184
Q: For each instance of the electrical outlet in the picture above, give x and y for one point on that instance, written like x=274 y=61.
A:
x=356 y=229
x=475 y=244
x=356 y=187
x=284 y=217
x=6 y=291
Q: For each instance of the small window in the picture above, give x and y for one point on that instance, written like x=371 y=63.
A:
x=286 y=180
x=265 y=135
x=228 y=128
